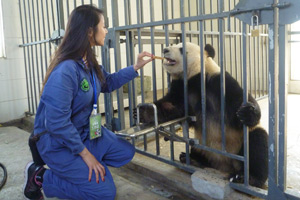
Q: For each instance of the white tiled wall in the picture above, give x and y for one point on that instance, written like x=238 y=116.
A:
x=13 y=96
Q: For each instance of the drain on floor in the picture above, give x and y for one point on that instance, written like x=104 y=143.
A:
x=161 y=192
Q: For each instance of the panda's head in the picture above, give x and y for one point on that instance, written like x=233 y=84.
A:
x=173 y=62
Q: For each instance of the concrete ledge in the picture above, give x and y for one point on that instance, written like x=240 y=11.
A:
x=213 y=185
x=205 y=183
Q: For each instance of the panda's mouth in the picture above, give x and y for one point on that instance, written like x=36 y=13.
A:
x=170 y=61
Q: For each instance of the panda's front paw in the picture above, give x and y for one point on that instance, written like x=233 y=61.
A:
x=182 y=157
x=146 y=114
x=249 y=114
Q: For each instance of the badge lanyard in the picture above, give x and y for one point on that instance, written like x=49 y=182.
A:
x=95 y=118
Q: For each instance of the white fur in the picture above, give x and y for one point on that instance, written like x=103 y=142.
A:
x=193 y=61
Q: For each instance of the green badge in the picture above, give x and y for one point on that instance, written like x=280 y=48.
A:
x=84 y=85
x=95 y=126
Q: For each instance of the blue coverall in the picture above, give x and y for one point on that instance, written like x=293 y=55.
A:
x=64 y=112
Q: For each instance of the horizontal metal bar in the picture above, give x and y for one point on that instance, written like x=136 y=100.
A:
x=250 y=190
x=156 y=41
x=261 y=97
x=294 y=32
x=198 y=18
x=145 y=129
x=187 y=168
x=294 y=41
x=237 y=157
x=41 y=41
x=292 y=194
x=177 y=33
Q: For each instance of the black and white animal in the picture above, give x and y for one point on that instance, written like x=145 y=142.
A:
x=237 y=114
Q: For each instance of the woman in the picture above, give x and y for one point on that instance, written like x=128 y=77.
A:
x=71 y=88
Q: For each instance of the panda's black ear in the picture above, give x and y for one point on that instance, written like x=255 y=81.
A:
x=210 y=50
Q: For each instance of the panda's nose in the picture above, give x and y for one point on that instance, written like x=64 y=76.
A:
x=165 y=50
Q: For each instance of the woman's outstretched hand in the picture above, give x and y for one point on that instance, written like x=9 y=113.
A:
x=93 y=164
x=140 y=60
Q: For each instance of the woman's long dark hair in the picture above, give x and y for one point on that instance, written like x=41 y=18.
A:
x=76 y=43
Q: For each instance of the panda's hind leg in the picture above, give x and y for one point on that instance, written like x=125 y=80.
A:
x=197 y=159
x=258 y=159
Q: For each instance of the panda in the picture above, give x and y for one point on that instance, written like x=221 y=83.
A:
x=237 y=114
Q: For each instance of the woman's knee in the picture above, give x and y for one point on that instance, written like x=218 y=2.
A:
x=129 y=150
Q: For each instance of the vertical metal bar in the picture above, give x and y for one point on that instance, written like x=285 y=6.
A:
x=153 y=51
x=282 y=109
x=166 y=27
x=53 y=16
x=185 y=82
x=32 y=62
x=41 y=55
x=60 y=15
x=172 y=13
x=142 y=13
x=48 y=21
x=250 y=61
x=139 y=15
x=245 y=100
x=107 y=96
x=258 y=65
x=172 y=130
x=267 y=65
x=190 y=26
x=230 y=43
x=129 y=12
x=36 y=57
x=68 y=9
x=82 y=2
x=204 y=23
x=116 y=44
x=75 y=4
x=263 y=65
x=153 y=69
x=31 y=107
x=24 y=52
x=222 y=73
x=145 y=142
x=273 y=100
x=129 y=62
x=203 y=80
x=254 y=67
x=211 y=23
x=44 y=31
x=241 y=47
x=235 y=47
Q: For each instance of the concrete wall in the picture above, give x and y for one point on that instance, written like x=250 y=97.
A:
x=13 y=95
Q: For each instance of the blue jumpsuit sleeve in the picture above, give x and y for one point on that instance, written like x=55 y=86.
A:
x=116 y=80
x=57 y=97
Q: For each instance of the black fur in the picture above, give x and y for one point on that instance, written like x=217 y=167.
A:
x=236 y=115
x=210 y=50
